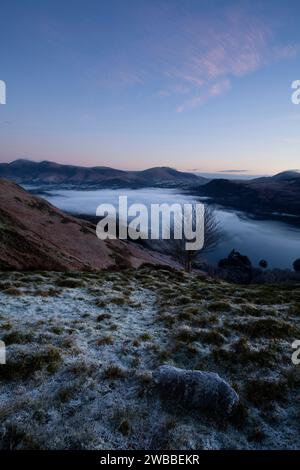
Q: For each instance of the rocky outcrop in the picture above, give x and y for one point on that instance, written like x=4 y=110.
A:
x=195 y=389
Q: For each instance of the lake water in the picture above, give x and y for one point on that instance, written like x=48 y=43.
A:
x=277 y=242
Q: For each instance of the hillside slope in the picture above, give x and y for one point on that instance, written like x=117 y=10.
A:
x=82 y=349
x=36 y=235
x=280 y=193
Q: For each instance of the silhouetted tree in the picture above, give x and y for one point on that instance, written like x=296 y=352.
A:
x=296 y=265
x=263 y=263
x=212 y=235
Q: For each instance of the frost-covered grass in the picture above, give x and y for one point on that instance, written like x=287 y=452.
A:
x=81 y=348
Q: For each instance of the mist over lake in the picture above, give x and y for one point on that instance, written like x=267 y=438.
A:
x=277 y=242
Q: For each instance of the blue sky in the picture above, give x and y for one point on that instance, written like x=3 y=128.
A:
x=193 y=84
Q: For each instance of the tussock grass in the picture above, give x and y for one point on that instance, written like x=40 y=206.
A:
x=113 y=371
x=13 y=291
x=267 y=328
x=17 y=337
x=26 y=364
x=70 y=283
x=105 y=340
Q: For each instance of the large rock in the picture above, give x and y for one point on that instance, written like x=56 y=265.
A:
x=195 y=389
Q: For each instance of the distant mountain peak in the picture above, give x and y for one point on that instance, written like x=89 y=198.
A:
x=25 y=171
x=287 y=175
x=21 y=161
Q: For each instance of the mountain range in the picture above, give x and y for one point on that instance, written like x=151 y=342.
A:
x=50 y=173
x=275 y=194
x=279 y=194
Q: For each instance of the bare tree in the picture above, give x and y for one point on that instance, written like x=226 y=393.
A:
x=212 y=235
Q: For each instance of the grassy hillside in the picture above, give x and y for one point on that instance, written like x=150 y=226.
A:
x=81 y=349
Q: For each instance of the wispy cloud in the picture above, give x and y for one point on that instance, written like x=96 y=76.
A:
x=204 y=53
x=214 y=90
x=193 y=54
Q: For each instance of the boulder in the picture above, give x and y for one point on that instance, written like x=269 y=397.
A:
x=195 y=389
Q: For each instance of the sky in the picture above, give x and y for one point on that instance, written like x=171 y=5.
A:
x=197 y=85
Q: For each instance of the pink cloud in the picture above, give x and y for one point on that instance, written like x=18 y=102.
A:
x=213 y=91
x=206 y=53
x=196 y=57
